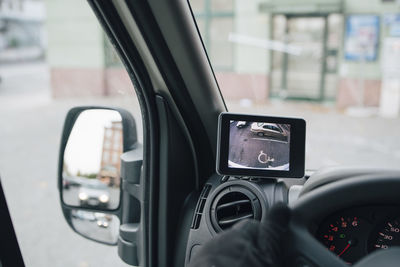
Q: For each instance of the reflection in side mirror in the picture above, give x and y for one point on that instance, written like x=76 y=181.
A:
x=91 y=167
x=99 y=226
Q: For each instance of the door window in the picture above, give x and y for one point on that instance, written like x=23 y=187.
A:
x=78 y=66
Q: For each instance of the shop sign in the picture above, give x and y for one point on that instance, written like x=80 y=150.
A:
x=361 y=39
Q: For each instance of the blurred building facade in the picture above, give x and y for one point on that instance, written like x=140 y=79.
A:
x=22 y=34
x=80 y=58
x=317 y=50
x=112 y=151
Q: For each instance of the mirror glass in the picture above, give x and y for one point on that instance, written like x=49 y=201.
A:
x=91 y=167
x=99 y=226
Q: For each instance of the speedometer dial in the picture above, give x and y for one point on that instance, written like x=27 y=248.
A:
x=345 y=236
x=386 y=236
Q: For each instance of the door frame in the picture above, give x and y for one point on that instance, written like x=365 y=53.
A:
x=322 y=77
x=160 y=45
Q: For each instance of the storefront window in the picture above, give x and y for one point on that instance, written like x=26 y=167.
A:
x=334 y=63
x=215 y=21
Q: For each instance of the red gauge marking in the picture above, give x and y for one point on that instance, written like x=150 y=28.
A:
x=344 y=250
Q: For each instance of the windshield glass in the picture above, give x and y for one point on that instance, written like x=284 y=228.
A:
x=334 y=63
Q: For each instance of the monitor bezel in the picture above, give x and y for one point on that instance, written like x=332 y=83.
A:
x=297 y=146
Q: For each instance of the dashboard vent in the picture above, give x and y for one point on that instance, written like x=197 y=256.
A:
x=200 y=206
x=232 y=206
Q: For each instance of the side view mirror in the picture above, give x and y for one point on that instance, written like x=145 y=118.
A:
x=89 y=175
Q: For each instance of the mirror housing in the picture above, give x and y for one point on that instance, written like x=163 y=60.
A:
x=90 y=197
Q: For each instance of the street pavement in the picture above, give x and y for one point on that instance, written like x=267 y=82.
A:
x=31 y=125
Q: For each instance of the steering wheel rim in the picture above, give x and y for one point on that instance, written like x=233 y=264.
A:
x=380 y=188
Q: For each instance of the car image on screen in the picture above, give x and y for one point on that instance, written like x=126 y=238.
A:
x=259 y=145
x=271 y=130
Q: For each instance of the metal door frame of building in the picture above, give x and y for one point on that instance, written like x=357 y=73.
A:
x=321 y=97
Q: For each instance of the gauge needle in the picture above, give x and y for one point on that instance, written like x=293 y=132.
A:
x=344 y=250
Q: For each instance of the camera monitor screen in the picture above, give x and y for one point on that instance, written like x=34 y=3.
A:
x=261 y=146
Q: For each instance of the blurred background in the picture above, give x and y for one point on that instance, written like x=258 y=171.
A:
x=335 y=63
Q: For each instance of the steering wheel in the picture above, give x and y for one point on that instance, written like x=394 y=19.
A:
x=302 y=249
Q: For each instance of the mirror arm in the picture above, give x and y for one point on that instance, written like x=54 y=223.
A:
x=131 y=165
x=133 y=189
x=130 y=231
x=127 y=243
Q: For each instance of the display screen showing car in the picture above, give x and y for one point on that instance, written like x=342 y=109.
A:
x=262 y=145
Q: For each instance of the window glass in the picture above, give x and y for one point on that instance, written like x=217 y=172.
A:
x=106 y=155
x=201 y=24
x=334 y=64
x=215 y=20
x=115 y=157
x=117 y=142
x=221 y=51
x=197 y=5
x=107 y=144
x=53 y=56
x=222 y=5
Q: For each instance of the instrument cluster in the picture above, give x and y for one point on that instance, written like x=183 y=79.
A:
x=353 y=233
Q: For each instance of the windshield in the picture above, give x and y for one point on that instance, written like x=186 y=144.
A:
x=334 y=63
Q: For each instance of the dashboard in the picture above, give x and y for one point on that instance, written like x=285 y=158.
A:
x=355 y=232
x=351 y=212
x=332 y=205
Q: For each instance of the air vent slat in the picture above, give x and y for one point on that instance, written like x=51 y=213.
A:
x=235 y=219
x=233 y=203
